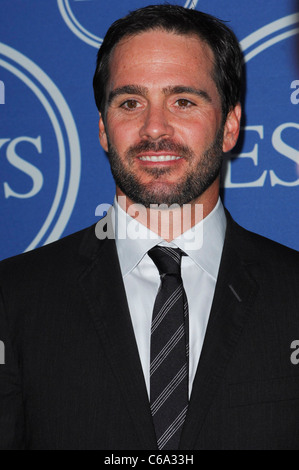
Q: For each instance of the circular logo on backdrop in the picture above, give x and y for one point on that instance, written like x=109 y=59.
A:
x=270 y=152
x=269 y=35
x=82 y=16
x=264 y=167
x=40 y=156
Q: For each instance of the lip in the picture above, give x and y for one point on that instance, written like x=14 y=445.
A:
x=158 y=154
x=171 y=158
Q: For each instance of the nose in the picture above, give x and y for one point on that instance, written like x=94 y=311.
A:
x=156 y=124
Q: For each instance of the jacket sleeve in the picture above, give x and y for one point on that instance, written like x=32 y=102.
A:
x=11 y=403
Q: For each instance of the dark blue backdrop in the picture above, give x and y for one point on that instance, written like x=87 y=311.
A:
x=53 y=173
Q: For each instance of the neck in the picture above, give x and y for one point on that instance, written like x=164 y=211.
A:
x=171 y=222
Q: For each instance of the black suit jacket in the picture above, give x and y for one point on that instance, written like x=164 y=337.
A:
x=73 y=378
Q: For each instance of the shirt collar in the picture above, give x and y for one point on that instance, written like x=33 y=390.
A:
x=206 y=253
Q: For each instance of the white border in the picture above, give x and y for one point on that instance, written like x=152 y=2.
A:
x=82 y=33
x=266 y=31
x=32 y=70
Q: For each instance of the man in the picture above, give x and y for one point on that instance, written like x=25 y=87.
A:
x=154 y=340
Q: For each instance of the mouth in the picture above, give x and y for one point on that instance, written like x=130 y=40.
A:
x=159 y=158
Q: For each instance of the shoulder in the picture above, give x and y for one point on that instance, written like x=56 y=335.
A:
x=268 y=253
x=64 y=255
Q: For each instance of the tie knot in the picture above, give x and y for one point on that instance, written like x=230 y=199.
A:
x=167 y=260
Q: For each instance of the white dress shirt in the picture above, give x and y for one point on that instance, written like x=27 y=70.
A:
x=141 y=278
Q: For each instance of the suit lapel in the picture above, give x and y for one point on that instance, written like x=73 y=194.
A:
x=234 y=296
x=104 y=291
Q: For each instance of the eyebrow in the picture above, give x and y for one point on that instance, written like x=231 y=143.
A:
x=171 y=90
x=181 y=89
x=127 y=90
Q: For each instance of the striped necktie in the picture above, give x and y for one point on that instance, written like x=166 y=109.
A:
x=169 y=368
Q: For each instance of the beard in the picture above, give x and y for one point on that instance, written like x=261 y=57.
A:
x=189 y=188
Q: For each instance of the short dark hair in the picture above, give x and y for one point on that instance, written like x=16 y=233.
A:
x=175 y=19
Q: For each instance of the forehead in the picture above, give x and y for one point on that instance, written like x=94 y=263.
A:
x=158 y=52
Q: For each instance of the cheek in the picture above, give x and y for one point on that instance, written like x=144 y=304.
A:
x=120 y=130
x=197 y=135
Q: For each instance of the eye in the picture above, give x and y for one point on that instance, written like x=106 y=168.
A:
x=184 y=103
x=130 y=105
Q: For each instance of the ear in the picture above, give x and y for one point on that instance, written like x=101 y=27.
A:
x=232 y=128
x=103 y=134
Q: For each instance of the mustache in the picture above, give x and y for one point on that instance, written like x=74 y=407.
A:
x=166 y=145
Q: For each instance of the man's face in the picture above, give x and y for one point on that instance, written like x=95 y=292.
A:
x=164 y=127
